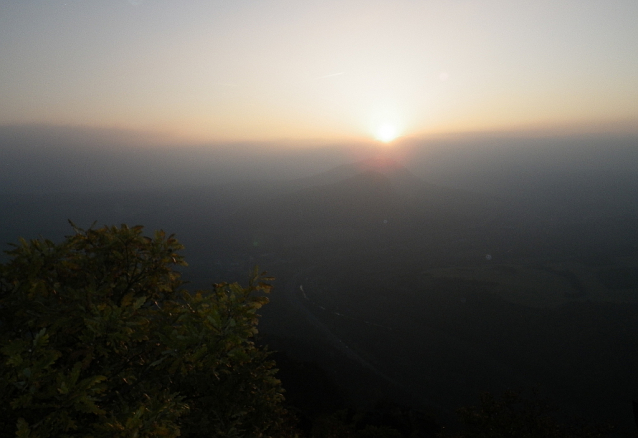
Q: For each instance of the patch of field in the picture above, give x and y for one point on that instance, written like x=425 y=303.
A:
x=547 y=285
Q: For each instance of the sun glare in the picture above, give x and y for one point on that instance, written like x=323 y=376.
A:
x=386 y=132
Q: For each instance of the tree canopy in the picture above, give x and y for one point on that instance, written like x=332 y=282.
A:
x=99 y=338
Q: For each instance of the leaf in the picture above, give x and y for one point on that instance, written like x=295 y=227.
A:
x=23 y=430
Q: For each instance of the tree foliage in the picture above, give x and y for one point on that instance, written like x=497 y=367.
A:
x=99 y=338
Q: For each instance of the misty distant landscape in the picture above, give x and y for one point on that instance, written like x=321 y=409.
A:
x=424 y=273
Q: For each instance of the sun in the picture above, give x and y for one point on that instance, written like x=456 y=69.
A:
x=386 y=132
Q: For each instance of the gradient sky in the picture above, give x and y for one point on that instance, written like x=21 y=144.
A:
x=237 y=70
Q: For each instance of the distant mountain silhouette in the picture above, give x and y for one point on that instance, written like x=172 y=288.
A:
x=367 y=194
x=382 y=165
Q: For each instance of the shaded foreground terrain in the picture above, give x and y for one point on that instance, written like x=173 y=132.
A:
x=407 y=290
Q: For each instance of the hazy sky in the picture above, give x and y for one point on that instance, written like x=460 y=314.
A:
x=337 y=70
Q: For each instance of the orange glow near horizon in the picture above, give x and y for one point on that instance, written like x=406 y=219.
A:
x=337 y=71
